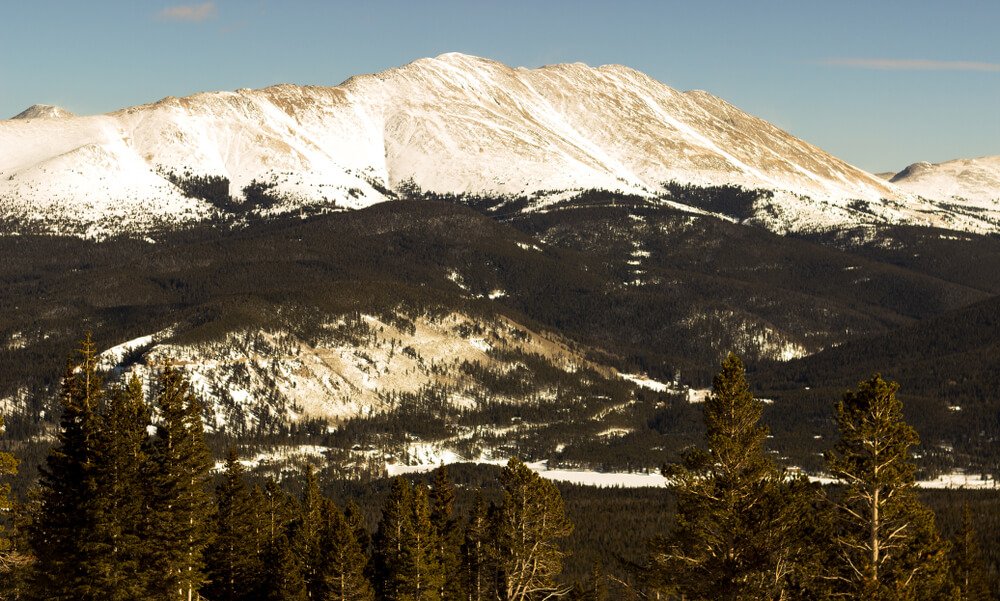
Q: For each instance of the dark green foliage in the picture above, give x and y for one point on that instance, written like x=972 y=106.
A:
x=355 y=517
x=886 y=544
x=705 y=281
x=967 y=558
x=13 y=557
x=69 y=534
x=342 y=568
x=597 y=585
x=260 y=195
x=736 y=534
x=410 y=549
x=406 y=564
x=478 y=554
x=390 y=539
x=177 y=529
x=213 y=189
x=123 y=485
x=420 y=572
x=307 y=533
x=8 y=467
x=447 y=533
x=729 y=200
x=527 y=529
x=283 y=579
x=233 y=560
x=276 y=510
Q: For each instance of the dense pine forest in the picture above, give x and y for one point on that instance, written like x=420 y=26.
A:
x=130 y=504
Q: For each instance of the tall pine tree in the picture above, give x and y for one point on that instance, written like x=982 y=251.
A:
x=8 y=467
x=527 y=528
x=478 y=575
x=283 y=579
x=122 y=484
x=177 y=526
x=343 y=562
x=356 y=519
x=392 y=536
x=420 y=575
x=735 y=536
x=12 y=559
x=967 y=557
x=276 y=510
x=67 y=535
x=886 y=544
x=233 y=559
x=307 y=534
x=447 y=533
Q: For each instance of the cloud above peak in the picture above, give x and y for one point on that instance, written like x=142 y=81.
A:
x=191 y=13
x=895 y=64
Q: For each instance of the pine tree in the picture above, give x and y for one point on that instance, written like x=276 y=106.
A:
x=527 y=527
x=283 y=579
x=356 y=519
x=8 y=555
x=343 y=562
x=478 y=576
x=276 y=510
x=970 y=571
x=420 y=575
x=447 y=533
x=307 y=534
x=736 y=528
x=121 y=485
x=886 y=545
x=233 y=559
x=392 y=535
x=65 y=535
x=177 y=526
x=597 y=585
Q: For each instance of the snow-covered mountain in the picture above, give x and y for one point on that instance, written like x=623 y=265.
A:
x=451 y=124
x=973 y=182
x=43 y=111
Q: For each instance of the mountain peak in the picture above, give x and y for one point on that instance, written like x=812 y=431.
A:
x=453 y=124
x=43 y=111
x=911 y=171
x=975 y=181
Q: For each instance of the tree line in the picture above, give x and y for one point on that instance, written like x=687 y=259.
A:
x=123 y=510
x=746 y=529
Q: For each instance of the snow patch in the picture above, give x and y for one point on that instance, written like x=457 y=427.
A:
x=645 y=382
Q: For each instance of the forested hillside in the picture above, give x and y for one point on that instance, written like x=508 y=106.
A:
x=125 y=508
x=293 y=325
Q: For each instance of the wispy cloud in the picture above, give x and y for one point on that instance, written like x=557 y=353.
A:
x=895 y=64
x=191 y=13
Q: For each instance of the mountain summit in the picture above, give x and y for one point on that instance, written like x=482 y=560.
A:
x=976 y=182
x=452 y=124
x=43 y=111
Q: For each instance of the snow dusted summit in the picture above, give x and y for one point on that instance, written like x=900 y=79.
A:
x=451 y=124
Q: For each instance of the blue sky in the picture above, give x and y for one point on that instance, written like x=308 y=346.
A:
x=880 y=84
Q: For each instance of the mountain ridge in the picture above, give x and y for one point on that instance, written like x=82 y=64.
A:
x=974 y=182
x=452 y=124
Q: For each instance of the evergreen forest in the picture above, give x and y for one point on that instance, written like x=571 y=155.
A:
x=131 y=504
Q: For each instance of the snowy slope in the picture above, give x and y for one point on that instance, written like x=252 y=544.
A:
x=454 y=123
x=971 y=182
x=350 y=371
